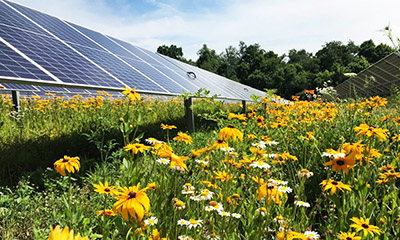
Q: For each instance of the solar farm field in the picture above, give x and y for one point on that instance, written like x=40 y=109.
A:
x=127 y=169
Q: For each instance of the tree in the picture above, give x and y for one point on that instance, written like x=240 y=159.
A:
x=171 y=51
x=208 y=59
x=229 y=61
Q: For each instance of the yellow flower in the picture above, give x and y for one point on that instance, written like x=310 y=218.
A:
x=363 y=224
x=107 y=212
x=167 y=127
x=348 y=236
x=104 y=189
x=133 y=201
x=219 y=144
x=64 y=234
x=230 y=131
x=137 y=147
x=132 y=94
x=183 y=137
x=71 y=164
x=370 y=131
x=334 y=185
x=342 y=163
x=223 y=176
x=176 y=161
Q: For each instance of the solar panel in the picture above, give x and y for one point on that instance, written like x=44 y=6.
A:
x=38 y=47
x=55 y=26
x=378 y=79
x=14 y=65
x=57 y=58
x=11 y=18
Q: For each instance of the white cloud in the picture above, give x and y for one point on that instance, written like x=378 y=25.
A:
x=278 y=25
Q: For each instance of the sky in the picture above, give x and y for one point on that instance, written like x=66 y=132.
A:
x=277 y=25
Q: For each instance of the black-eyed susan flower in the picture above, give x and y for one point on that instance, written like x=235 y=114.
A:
x=348 y=236
x=71 y=164
x=167 y=127
x=64 y=234
x=230 y=132
x=104 y=189
x=183 y=137
x=136 y=148
x=133 y=202
x=131 y=94
x=340 y=163
x=370 y=131
x=361 y=224
x=333 y=185
x=218 y=144
x=223 y=176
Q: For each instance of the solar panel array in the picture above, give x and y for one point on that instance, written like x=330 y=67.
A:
x=378 y=79
x=38 y=49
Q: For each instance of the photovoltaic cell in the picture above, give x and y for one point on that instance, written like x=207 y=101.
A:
x=55 y=26
x=156 y=76
x=105 y=42
x=119 y=69
x=57 y=58
x=14 y=65
x=10 y=17
x=136 y=51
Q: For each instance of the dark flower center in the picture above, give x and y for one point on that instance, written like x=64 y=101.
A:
x=65 y=160
x=349 y=238
x=131 y=195
x=220 y=141
x=365 y=226
x=107 y=190
x=259 y=120
x=137 y=146
x=340 y=162
x=230 y=126
x=334 y=183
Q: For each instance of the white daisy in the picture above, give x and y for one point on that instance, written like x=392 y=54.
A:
x=302 y=204
x=270 y=143
x=260 y=164
x=151 y=221
x=182 y=222
x=192 y=223
x=279 y=219
x=260 y=145
x=186 y=192
x=163 y=161
x=224 y=214
x=312 y=235
x=213 y=205
x=195 y=198
x=203 y=162
x=236 y=215
x=228 y=149
x=271 y=155
x=262 y=211
x=285 y=189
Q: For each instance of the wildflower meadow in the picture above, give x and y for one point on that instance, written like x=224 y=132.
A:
x=126 y=168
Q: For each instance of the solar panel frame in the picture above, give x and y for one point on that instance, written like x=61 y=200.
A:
x=86 y=46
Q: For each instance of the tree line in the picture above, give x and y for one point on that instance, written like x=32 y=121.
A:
x=291 y=73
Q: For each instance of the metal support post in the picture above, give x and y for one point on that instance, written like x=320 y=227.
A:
x=189 y=116
x=244 y=108
x=16 y=102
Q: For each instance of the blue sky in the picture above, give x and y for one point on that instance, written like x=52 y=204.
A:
x=277 y=25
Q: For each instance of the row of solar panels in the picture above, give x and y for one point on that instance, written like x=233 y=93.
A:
x=376 y=80
x=39 y=49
